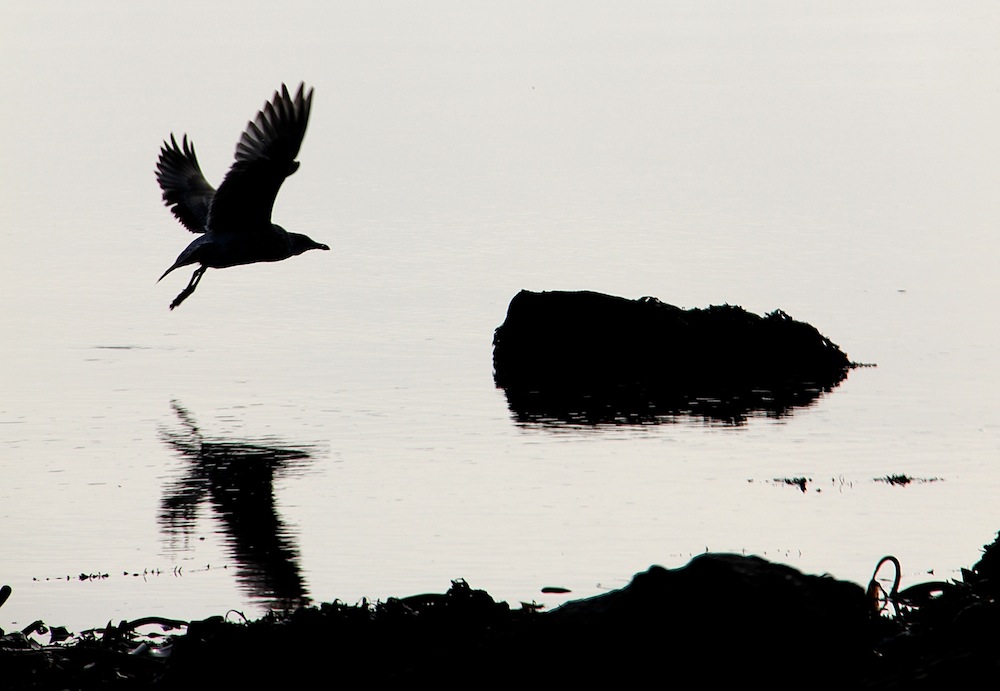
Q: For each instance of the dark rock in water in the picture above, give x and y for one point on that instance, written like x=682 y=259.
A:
x=592 y=358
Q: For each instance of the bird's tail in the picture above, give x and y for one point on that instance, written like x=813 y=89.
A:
x=175 y=265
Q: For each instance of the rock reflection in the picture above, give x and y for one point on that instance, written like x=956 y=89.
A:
x=236 y=479
x=639 y=406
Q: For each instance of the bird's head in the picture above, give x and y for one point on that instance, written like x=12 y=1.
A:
x=301 y=243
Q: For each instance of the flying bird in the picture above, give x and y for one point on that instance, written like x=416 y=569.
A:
x=234 y=222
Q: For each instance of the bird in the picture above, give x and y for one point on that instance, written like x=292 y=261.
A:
x=234 y=222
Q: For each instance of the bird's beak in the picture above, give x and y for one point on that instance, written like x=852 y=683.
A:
x=322 y=247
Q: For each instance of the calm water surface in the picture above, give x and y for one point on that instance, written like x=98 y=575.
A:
x=327 y=427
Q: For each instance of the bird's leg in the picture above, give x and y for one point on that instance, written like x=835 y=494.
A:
x=192 y=284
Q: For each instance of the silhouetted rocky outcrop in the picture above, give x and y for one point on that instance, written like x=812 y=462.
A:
x=593 y=358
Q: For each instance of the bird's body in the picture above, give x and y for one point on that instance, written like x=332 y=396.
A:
x=235 y=220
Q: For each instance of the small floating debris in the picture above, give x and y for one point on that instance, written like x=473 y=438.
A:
x=92 y=576
x=799 y=482
x=903 y=480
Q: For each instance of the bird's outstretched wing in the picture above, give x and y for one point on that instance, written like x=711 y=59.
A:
x=265 y=156
x=185 y=190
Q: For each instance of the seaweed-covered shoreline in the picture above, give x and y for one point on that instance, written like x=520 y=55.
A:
x=726 y=618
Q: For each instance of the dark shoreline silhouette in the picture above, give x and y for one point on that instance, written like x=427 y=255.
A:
x=723 y=619
x=588 y=358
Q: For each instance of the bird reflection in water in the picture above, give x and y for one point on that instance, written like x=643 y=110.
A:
x=236 y=479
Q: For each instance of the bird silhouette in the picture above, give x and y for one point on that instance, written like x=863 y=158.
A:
x=234 y=222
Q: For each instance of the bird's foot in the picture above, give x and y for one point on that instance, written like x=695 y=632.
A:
x=181 y=298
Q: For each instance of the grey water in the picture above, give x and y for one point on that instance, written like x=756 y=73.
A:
x=327 y=427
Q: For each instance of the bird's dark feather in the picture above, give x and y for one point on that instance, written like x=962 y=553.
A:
x=265 y=156
x=185 y=190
